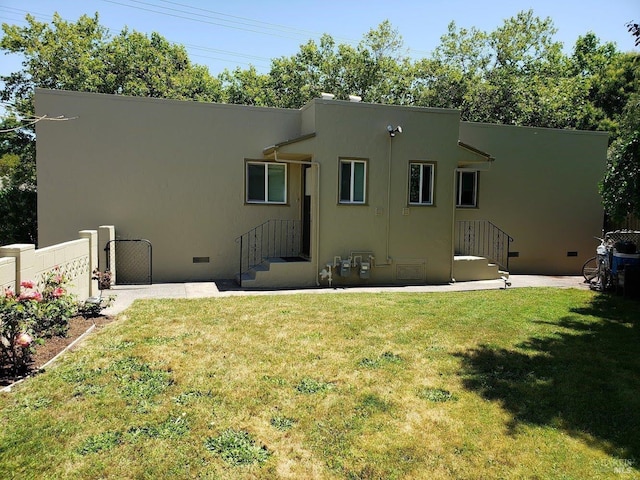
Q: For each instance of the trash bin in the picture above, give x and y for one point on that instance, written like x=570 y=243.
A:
x=629 y=281
x=623 y=260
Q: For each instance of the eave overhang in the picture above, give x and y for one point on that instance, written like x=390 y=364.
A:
x=287 y=153
x=470 y=155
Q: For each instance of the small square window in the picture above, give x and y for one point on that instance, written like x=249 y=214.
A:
x=421 y=183
x=353 y=181
x=266 y=182
x=467 y=188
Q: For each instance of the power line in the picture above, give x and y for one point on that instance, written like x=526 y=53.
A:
x=216 y=18
x=264 y=61
x=208 y=22
x=243 y=20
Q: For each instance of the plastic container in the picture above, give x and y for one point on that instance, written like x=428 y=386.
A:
x=620 y=260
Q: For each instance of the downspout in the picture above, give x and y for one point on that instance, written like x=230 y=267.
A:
x=453 y=224
x=388 y=232
x=311 y=163
x=387 y=261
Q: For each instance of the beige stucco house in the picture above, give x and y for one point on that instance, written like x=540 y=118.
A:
x=338 y=192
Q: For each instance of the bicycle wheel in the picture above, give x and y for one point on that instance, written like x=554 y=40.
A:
x=590 y=269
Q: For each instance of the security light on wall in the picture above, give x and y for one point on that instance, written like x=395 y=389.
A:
x=392 y=131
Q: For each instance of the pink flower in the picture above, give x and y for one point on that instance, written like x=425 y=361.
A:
x=57 y=292
x=30 y=296
x=58 y=278
x=27 y=284
x=8 y=293
x=24 y=340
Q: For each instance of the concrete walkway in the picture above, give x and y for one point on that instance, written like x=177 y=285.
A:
x=127 y=294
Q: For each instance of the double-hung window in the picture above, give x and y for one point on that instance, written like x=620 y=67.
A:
x=353 y=181
x=421 y=183
x=467 y=188
x=266 y=182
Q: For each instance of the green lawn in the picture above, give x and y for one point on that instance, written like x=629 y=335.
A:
x=519 y=383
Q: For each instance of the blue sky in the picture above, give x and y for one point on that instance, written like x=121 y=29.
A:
x=237 y=33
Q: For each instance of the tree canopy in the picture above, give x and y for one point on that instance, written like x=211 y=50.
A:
x=517 y=74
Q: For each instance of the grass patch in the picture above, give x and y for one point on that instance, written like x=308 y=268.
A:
x=100 y=442
x=282 y=423
x=310 y=386
x=385 y=358
x=522 y=383
x=237 y=447
x=437 y=395
x=171 y=428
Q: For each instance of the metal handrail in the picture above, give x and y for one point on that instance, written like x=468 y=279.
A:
x=483 y=239
x=271 y=239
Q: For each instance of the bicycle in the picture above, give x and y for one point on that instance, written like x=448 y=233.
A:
x=597 y=270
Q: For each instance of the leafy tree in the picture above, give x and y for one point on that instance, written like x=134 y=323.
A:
x=375 y=69
x=525 y=80
x=634 y=29
x=296 y=80
x=18 y=209
x=246 y=87
x=459 y=62
x=620 y=188
x=150 y=66
x=63 y=56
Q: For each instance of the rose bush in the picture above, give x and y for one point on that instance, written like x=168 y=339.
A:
x=57 y=305
x=33 y=314
x=18 y=317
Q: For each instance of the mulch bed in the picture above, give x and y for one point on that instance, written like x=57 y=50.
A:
x=52 y=346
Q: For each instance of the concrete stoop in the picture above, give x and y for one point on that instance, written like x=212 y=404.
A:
x=279 y=273
x=468 y=268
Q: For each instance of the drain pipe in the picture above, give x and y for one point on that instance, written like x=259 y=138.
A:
x=311 y=163
x=453 y=225
x=387 y=261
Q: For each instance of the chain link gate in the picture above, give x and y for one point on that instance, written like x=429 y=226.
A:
x=133 y=261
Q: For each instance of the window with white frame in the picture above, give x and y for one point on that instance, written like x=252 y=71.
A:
x=353 y=181
x=421 y=183
x=467 y=188
x=266 y=182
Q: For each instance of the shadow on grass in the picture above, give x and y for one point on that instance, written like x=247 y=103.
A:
x=584 y=379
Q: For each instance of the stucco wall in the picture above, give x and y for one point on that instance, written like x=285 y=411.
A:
x=418 y=236
x=171 y=172
x=542 y=190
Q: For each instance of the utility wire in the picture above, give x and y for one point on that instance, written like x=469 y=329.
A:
x=238 y=20
x=256 y=22
x=216 y=18
x=262 y=61
x=208 y=22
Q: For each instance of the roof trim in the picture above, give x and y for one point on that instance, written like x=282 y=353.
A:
x=473 y=149
x=272 y=148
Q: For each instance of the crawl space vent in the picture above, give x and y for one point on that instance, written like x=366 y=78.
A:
x=414 y=272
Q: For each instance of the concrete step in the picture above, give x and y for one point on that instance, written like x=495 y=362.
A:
x=280 y=273
x=467 y=268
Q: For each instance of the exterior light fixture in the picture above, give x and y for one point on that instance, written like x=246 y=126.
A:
x=392 y=131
